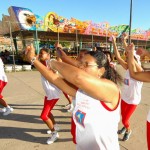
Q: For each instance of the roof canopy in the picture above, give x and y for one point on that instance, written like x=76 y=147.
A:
x=23 y=19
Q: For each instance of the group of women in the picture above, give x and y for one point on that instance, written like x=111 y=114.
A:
x=93 y=83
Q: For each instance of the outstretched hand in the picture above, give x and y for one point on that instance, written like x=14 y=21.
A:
x=57 y=45
x=30 y=52
x=59 y=52
x=113 y=39
x=124 y=37
x=130 y=49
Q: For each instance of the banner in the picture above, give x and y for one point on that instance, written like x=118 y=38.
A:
x=25 y=19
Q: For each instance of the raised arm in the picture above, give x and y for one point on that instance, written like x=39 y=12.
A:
x=49 y=74
x=124 y=40
x=141 y=76
x=117 y=54
x=95 y=87
x=63 y=56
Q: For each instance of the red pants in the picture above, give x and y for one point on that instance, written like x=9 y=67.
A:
x=2 y=85
x=148 y=135
x=126 y=112
x=48 y=106
x=73 y=130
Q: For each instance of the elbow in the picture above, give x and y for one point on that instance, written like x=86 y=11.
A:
x=78 y=79
x=132 y=75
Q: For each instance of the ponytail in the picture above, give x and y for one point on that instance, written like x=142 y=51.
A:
x=113 y=75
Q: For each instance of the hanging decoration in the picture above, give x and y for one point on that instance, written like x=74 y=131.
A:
x=26 y=20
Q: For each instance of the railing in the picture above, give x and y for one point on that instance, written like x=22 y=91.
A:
x=74 y=56
x=145 y=60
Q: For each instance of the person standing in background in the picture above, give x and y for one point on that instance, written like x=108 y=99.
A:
x=51 y=98
x=75 y=62
x=3 y=81
x=141 y=76
x=131 y=93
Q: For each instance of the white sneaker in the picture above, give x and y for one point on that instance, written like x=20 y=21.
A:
x=71 y=108
x=53 y=138
x=3 y=110
x=8 y=111
x=56 y=127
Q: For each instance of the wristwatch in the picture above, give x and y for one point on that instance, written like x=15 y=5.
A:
x=32 y=60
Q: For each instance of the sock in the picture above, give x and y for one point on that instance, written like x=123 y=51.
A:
x=8 y=106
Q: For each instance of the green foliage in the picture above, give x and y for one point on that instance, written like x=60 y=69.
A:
x=65 y=44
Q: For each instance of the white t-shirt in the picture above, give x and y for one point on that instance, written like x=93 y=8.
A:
x=96 y=126
x=3 y=76
x=131 y=92
x=52 y=92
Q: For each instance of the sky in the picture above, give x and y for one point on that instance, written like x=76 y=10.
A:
x=116 y=12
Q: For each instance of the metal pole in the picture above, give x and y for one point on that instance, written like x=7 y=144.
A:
x=92 y=41
x=146 y=43
x=130 y=23
x=58 y=32
x=36 y=37
x=77 y=41
x=11 y=38
x=106 y=39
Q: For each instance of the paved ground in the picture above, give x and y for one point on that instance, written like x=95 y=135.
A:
x=23 y=129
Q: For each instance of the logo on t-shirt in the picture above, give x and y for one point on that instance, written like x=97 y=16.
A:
x=79 y=115
x=126 y=81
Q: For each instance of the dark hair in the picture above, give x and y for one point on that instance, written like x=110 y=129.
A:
x=84 y=50
x=98 y=48
x=102 y=61
x=108 y=53
x=45 y=49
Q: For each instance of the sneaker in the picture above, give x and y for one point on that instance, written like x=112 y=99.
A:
x=3 y=110
x=56 y=127
x=8 y=111
x=122 y=131
x=71 y=108
x=67 y=106
x=127 y=135
x=53 y=138
x=49 y=131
